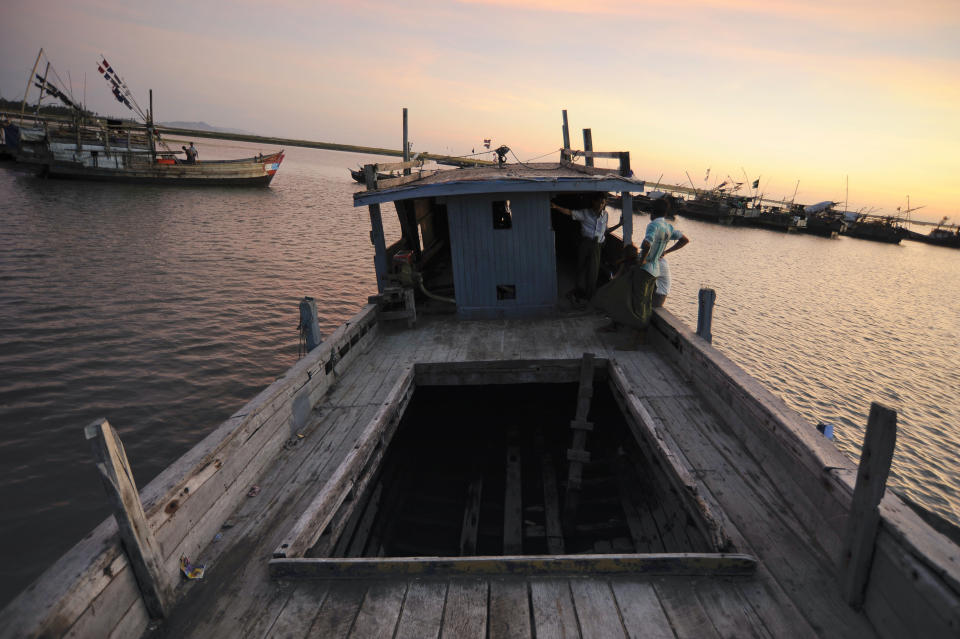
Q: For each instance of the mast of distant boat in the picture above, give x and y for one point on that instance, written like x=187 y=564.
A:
x=23 y=105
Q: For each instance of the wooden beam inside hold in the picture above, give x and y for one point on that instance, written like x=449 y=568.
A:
x=471 y=517
x=513 y=505
x=142 y=549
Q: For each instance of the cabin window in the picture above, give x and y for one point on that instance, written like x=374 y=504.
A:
x=502 y=216
x=506 y=291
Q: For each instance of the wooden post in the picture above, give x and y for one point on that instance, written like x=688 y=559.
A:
x=142 y=549
x=376 y=230
x=588 y=145
x=864 y=519
x=406 y=143
x=309 y=325
x=566 y=137
x=705 y=314
x=626 y=210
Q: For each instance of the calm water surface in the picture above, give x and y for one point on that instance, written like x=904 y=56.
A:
x=165 y=310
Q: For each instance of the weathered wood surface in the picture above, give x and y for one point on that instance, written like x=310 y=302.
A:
x=864 y=519
x=142 y=550
x=545 y=565
x=776 y=490
x=312 y=522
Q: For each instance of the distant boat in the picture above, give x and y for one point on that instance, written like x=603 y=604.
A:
x=788 y=219
x=824 y=220
x=90 y=148
x=877 y=228
x=84 y=152
x=941 y=236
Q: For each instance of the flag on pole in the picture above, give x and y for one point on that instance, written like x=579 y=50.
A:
x=707 y=176
x=756 y=183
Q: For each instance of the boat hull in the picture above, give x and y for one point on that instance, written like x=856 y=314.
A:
x=253 y=175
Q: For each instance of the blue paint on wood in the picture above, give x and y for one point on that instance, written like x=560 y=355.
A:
x=484 y=258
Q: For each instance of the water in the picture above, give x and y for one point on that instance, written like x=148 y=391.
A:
x=165 y=310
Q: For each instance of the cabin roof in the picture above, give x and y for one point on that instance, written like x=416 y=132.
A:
x=512 y=178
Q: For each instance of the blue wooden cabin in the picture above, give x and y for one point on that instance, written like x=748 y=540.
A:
x=485 y=238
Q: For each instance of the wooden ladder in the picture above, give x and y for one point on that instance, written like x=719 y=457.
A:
x=577 y=454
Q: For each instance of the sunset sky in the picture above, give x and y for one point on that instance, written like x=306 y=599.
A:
x=814 y=91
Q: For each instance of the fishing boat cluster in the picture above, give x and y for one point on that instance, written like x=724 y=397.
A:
x=823 y=218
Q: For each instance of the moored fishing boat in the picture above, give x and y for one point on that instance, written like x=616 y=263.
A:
x=468 y=456
x=879 y=228
x=56 y=156
x=91 y=148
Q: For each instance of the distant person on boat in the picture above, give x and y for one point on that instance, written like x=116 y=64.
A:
x=629 y=298
x=192 y=154
x=593 y=231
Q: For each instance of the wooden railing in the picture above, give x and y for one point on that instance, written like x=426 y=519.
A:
x=898 y=569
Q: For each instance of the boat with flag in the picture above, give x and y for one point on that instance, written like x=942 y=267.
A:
x=87 y=147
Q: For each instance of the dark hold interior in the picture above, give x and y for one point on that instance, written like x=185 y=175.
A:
x=470 y=469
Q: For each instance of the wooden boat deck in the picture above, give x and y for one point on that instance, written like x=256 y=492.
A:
x=793 y=593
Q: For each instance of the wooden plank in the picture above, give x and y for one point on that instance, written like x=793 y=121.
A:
x=513 y=503
x=509 y=611
x=596 y=608
x=730 y=615
x=551 y=503
x=687 y=616
x=362 y=533
x=380 y=612
x=779 y=437
x=52 y=604
x=654 y=437
x=864 y=520
x=422 y=610
x=554 y=614
x=141 y=547
x=133 y=623
x=796 y=571
x=640 y=609
x=339 y=610
x=515 y=371
x=903 y=593
x=396 y=166
x=108 y=608
x=658 y=564
x=471 y=516
x=310 y=524
x=643 y=531
x=299 y=612
x=465 y=613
